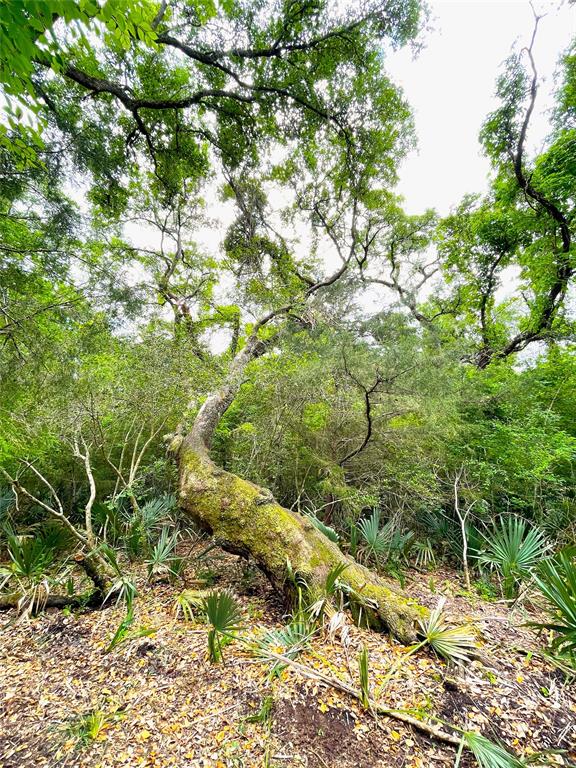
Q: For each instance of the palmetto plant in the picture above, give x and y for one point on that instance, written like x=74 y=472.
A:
x=142 y=525
x=186 y=603
x=291 y=639
x=31 y=558
x=487 y=753
x=441 y=529
x=333 y=584
x=224 y=615
x=400 y=541
x=162 y=560
x=514 y=549
x=452 y=643
x=156 y=512
x=364 y=669
x=354 y=536
x=556 y=579
x=123 y=587
x=374 y=541
x=379 y=544
x=334 y=588
x=125 y=634
x=288 y=641
x=424 y=554
x=327 y=530
x=55 y=536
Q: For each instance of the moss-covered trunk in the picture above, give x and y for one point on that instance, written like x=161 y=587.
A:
x=246 y=520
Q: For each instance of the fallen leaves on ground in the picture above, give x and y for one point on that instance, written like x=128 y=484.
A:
x=157 y=702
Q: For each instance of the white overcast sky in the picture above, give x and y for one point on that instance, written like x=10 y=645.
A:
x=451 y=86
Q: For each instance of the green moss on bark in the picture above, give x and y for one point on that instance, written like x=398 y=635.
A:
x=245 y=519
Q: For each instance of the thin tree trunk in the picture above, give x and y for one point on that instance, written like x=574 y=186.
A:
x=85 y=458
x=246 y=520
x=462 y=519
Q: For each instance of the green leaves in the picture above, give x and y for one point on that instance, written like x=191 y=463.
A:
x=556 y=579
x=375 y=541
x=514 y=549
x=224 y=614
x=488 y=754
x=31 y=556
x=124 y=633
x=526 y=221
x=290 y=641
x=501 y=130
x=163 y=560
x=452 y=643
x=555 y=169
x=31 y=559
x=364 y=674
x=32 y=32
x=327 y=530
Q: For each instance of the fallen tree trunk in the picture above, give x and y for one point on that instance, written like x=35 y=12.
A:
x=91 y=600
x=246 y=520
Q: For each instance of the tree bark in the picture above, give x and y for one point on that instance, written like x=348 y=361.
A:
x=93 y=599
x=246 y=520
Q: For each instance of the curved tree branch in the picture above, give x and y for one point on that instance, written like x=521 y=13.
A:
x=367 y=393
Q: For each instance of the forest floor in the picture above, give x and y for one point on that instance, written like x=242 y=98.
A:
x=159 y=702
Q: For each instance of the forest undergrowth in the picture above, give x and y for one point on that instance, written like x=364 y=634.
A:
x=157 y=700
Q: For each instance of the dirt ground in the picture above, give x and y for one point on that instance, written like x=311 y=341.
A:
x=161 y=703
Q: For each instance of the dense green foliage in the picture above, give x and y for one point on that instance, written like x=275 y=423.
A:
x=131 y=126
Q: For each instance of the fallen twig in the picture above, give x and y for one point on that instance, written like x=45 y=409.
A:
x=375 y=709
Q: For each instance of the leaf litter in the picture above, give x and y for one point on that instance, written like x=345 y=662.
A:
x=156 y=701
